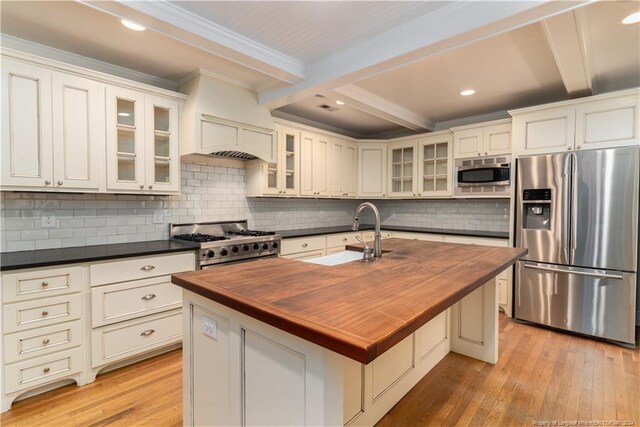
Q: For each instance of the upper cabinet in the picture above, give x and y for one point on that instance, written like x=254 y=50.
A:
x=281 y=178
x=372 y=167
x=342 y=168
x=52 y=133
x=487 y=139
x=435 y=160
x=401 y=173
x=142 y=142
x=610 y=120
x=59 y=126
x=314 y=164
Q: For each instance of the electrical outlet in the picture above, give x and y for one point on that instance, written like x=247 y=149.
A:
x=48 y=220
x=157 y=217
x=210 y=327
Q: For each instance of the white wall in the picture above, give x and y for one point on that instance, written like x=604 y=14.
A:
x=209 y=194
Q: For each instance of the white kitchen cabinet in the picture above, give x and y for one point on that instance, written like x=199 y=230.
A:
x=342 y=167
x=372 y=177
x=605 y=121
x=402 y=169
x=314 y=164
x=487 y=139
x=52 y=133
x=435 y=165
x=281 y=178
x=142 y=144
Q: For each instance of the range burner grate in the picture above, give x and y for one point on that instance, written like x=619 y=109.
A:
x=253 y=233
x=198 y=237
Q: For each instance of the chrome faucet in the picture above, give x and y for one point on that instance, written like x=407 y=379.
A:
x=377 y=239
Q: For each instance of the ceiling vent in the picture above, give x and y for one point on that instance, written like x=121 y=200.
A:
x=327 y=107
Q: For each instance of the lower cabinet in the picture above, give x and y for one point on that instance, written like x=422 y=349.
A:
x=68 y=322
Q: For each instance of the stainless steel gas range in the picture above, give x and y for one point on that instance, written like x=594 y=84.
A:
x=223 y=243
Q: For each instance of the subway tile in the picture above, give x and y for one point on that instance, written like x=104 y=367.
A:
x=48 y=244
x=21 y=246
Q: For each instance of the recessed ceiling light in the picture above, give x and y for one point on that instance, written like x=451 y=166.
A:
x=467 y=92
x=634 y=18
x=124 y=114
x=339 y=102
x=132 y=25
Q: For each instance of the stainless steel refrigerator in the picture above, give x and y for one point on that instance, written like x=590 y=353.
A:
x=577 y=213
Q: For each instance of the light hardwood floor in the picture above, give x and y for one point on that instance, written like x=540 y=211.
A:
x=541 y=376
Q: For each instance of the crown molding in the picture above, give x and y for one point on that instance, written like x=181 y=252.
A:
x=287 y=119
x=496 y=117
x=383 y=108
x=200 y=71
x=180 y=24
x=42 y=51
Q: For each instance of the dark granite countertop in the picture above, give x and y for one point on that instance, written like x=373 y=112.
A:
x=47 y=257
x=345 y=229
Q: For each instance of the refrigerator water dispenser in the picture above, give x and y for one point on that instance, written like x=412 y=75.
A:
x=536 y=206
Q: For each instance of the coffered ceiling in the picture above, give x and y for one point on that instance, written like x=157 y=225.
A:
x=398 y=66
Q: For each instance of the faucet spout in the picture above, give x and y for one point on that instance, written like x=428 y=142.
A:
x=377 y=237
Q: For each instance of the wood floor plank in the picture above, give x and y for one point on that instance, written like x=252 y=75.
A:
x=542 y=375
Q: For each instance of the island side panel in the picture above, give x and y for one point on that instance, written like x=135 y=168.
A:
x=474 y=324
x=240 y=371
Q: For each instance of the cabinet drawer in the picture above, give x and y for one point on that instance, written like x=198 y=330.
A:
x=41 y=341
x=367 y=236
x=140 y=268
x=42 y=370
x=300 y=256
x=25 y=285
x=334 y=240
x=477 y=241
x=291 y=246
x=126 y=339
x=124 y=301
x=38 y=313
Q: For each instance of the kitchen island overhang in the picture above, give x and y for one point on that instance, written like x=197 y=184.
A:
x=361 y=311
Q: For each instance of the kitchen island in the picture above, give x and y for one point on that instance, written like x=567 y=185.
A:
x=283 y=342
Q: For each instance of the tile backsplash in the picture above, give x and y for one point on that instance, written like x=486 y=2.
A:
x=211 y=193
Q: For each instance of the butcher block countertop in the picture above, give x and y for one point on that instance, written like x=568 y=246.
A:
x=356 y=309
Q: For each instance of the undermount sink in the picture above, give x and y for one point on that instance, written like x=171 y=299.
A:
x=336 y=259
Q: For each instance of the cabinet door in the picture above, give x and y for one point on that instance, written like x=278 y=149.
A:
x=289 y=164
x=402 y=169
x=314 y=152
x=78 y=132
x=27 y=155
x=435 y=166
x=372 y=160
x=342 y=167
x=546 y=131
x=608 y=123
x=467 y=143
x=161 y=154
x=306 y=164
x=497 y=139
x=125 y=139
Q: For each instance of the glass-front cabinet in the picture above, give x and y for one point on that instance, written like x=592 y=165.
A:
x=435 y=165
x=142 y=142
x=402 y=169
x=282 y=177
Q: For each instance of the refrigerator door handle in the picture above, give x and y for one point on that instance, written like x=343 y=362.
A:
x=554 y=269
x=574 y=207
x=566 y=203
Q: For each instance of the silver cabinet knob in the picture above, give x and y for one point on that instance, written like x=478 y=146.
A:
x=344 y=239
x=148 y=297
x=45 y=313
x=578 y=147
x=47 y=182
x=569 y=148
x=147 y=332
x=304 y=245
x=45 y=341
x=46 y=370
x=60 y=182
x=486 y=154
x=150 y=187
x=147 y=267
x=142 y=187
x=44 y=284
x=479 y=154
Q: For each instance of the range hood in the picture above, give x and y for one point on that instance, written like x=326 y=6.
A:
x=224 y=120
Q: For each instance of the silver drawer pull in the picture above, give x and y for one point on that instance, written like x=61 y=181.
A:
x=45 y=341
x=45 y=313
x=147 y=333
x=344 y=239
x=147 y=297
x=147 y=267
x=304 y=245
x=45 y=284
x=46 y=370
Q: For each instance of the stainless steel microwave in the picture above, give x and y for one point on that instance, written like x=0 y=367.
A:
x=483 y=176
